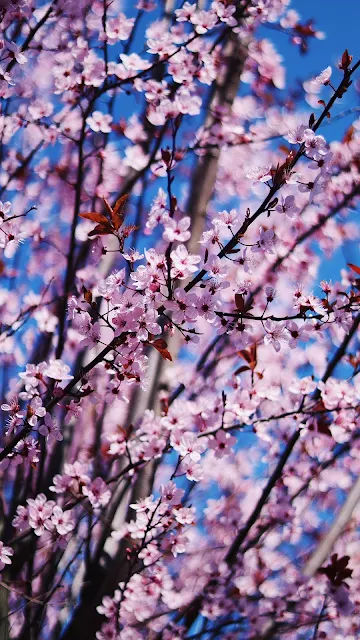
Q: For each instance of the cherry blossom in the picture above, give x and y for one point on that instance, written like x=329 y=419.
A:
x=222 y=443
x=5 y=555
x=177 y=230
x=58 y=370
x=260 y=174
x=288 y=207
x=265 y=241
x=323 y=77
x=179 y=323
x=184 y=264
x=50 y=429
x=315 y=145
x=99 y=121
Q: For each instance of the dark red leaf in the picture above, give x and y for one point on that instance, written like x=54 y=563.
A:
x=88 y=296
x=239 y=301
x=354 y=268
x=108 y=206
x=160 y=345
x=117 y=215
x=245 y=355
x=241 y=369
x=101 y=230
x=166 y=156
x=349 y=135
x=345 y=60
x=94 y=217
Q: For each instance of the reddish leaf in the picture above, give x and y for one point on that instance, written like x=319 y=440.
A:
x=253 y=351
x=241 y=369
x=349 y=135
x=239 y=301
x=87 y=295
x=166 y=354
x=354 y=268
x=245 y=356
x=249 y=356
x=166 y=156
x=345 y=60
x=284 y=148
x=101 y=230
x=94 y=217
x=108 y=206
x=160 y=345
x=117 y=215
x=127 y=231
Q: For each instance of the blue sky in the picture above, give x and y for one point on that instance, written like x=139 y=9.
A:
x=340 y=22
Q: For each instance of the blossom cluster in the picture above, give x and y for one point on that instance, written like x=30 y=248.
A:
x=180 y=381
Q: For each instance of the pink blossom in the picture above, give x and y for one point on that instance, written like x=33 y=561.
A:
x=21 y=519
x=171 y=494
x=190 y=446
x=206 y=306
x=119 y=28
x=297 y=136
x=288 y=207
x=225 y=13
x=40 y=512
x=177 y=230
x=184 y=306
x=323 y=77
x=265 y=242
x=136 y=158
x=315 y=146
x=184 y=264
x=109 y=605
x=275 y=333
x=62 y=521
x=186 y=12
x=97 y=492
x=222 y=443
x=192 y=470
x=99 y=121
x=50 y=429
x=5 y=555
x=203 y=21
x=35 y=410
x=58 y=370
x=260 y=174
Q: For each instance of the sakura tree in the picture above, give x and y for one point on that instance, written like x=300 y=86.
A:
x=180 y=390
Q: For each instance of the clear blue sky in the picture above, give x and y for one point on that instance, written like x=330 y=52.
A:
x=340 y=21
